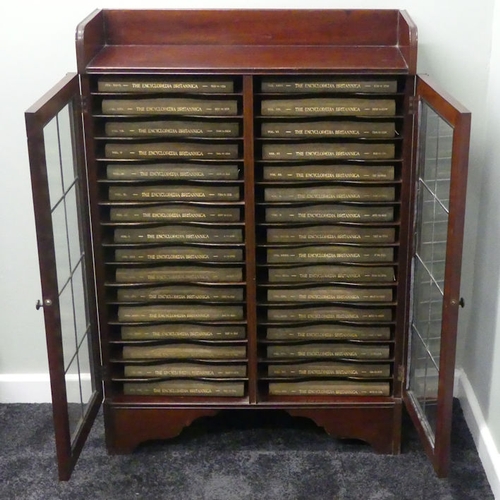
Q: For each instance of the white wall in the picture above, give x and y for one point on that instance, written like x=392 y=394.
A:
x=481 y=353
x=37 y=42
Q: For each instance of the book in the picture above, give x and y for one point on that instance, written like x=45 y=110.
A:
x=148 y=274
x=330 y=388
x=325 y=213
x=185 y=370
x=329 y=369
x=165 y=84
x=328 y=150
x=172 y=171
x=166 y=149
x=177 y=331
x=328 y=106
x=193 y=388
x=343 y=129
x=170 y=106
x=328 y=332
x=174 y=213
x=329 y=253
x=334 y=234
x=320 y=273
x=184 y=253
x=319 y=172
x=375 y=314
x=327 y=84
x=330 y=294
x=178 y=233
x=182 y=292
x=184 y=351
x=329 y=193
x=329 y=350
x=174 y=193
x=179 y=312
x=171 y=128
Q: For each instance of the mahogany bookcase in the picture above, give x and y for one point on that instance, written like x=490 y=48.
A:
x=249 y=49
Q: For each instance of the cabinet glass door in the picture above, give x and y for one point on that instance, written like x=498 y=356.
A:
x=61 y=213
x=442 y=159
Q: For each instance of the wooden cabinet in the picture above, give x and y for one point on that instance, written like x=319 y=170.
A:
x=249 y=209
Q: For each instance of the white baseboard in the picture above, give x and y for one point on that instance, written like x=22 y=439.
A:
x=25 y=388
x=487 y=450
x=35 y=388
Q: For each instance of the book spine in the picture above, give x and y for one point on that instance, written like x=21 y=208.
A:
x=174 y=193
x=331 y=273
x=328 y=351
x=329 y=313
x=329 y=388
x=188 y=150
x=325 y=106
x=136 y=314
x=178 y=234
x=273 y=85
x=324 y=234
x=330 y=129
x=331 y=369
x=116 y=84
x=181 y=331
x=172 y=171
x=183 y=388
x=184 y=351
x=170 y=106
x=185 y=370
x=179 y=254
x=166 y=128
x=333 y=150
x=325 y=213
x=328 y=332
x=330 y=193
x=332 y=253
x=170 y=213
x=331 y=293
x=329 y=172
x=180 y=273
x=180 y=293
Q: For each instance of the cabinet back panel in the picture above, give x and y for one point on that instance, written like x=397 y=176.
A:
x=251 y=27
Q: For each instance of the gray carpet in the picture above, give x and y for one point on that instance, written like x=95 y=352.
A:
x=235 y=456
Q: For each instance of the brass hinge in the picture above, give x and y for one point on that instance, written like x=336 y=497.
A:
x=412 y=104
x=84 y=102
x=401 y=373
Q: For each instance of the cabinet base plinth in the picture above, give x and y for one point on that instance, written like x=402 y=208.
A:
x=128 y=427
x=379 y=427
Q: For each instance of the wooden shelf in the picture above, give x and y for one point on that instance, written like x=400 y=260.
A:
x=258 y=59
